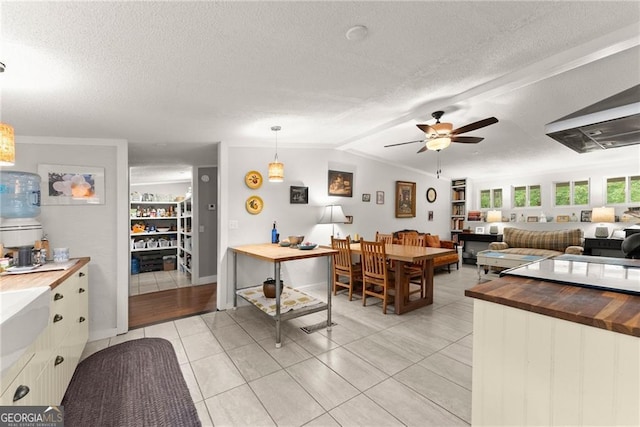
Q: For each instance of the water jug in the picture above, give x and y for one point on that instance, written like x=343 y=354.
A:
x=19 y=194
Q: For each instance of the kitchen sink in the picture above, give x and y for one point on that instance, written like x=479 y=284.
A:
x=24 y=314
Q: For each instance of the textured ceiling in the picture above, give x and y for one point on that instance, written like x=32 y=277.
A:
x=188 y=74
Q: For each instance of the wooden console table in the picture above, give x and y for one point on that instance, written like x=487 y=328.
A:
x=277 y=254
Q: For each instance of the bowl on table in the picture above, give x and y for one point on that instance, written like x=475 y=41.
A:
x=306 y=246
x=295 y=240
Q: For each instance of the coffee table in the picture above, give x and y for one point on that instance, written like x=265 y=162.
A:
x=491 y=258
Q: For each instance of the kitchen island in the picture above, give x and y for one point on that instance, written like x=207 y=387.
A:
x=548 y=353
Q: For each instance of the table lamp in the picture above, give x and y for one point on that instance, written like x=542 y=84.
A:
x=332 y=214
x=602 y=215
x=494 y=216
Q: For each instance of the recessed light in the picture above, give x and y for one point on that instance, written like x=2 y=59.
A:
x=357 y=32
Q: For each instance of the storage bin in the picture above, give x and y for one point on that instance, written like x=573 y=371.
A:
x=152 y=244
x=140 y=244
x=173 y=243
x=164 y=243
x=169 y=262
x=135 y=266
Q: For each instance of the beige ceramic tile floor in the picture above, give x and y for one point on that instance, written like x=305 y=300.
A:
x=369 y=370
x=155 y=281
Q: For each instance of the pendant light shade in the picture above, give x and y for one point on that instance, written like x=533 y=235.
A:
x=7 y=145
x=276 y=168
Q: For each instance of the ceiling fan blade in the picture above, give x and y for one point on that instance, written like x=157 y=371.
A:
x=424 y=148
x=466 y=139
x=404 y=143
x=427 y=129
x=475 y=125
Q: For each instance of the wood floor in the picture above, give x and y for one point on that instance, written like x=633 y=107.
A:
x=156 y=307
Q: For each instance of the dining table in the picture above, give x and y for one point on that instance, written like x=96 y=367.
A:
x=404 y=255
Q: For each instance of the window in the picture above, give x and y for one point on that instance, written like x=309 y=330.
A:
x=571 y=193
x=524 y=196
x=491 y=198
x=623 y=189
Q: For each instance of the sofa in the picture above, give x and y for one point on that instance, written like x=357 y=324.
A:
x=434 y=241
x=540 y=243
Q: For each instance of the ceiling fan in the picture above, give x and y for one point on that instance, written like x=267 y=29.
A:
x=440 y=135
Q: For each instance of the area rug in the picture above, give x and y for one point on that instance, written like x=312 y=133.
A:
x=290 y=299
x=136 y=383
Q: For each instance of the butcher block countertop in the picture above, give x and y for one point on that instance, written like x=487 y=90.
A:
x=14 y=282
x=608 y=310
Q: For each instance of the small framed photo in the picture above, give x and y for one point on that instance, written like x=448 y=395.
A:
x=298 y=195
x=366 y=197
x=532 y=219
x=430 y=215
x=585 y=216
x=340 y=184
x=380 y=197
x=562 y=218
x=512 y=217
x=349 y=219
x=479 y=230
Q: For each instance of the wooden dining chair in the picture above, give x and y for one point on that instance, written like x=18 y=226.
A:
x=343 y=266
x=416 y=272
x=387 y=238
x=377 y=279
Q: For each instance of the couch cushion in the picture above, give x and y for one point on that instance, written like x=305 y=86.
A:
x=552 y=240
x=433 y=241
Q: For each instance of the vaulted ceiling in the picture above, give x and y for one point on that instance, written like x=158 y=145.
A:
x=177 y=75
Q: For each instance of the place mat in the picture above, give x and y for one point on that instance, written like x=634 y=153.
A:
x=290 y=299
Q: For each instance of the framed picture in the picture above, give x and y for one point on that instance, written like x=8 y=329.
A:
x=71 y=185
x=366 y=197
x=512 y=217
x=380 y=197
x=405 y=199
x=349 y=219
x=340 y=184
x=479 y=230
x=430 y=215
x=585 y=216
x=532 y=219
x=298 y=195
x=562 y=218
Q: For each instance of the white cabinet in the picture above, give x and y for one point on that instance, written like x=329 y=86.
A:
x=43 y=373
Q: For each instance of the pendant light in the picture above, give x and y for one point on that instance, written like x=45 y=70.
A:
x=276 y=168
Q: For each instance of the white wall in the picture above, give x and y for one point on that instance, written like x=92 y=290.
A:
x=309 y=167
x=628 y=166
x=89 y=230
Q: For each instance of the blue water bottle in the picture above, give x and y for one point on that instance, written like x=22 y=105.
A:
x=274 y=233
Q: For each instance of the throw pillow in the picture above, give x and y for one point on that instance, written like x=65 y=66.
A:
x=433 y=241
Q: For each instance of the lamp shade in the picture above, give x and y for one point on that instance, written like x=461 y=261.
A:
x=603 y=215
x=332 y=214
x=494 y=216
x=276 y=171
x=437 y=144
x=7 y=145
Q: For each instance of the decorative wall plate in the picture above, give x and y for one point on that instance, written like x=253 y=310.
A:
x=254 y=205
x=431 y=195
x=253 y=179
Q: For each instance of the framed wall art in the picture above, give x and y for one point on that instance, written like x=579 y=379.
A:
x=479 y=230
x=366 y=197
x=349 y=219
x=298 y=195
x=585 y=216
x=71 y=185
x=562 y=218
x=405 y=199
x=340 y=184
x=380 y=197
x=532 y=219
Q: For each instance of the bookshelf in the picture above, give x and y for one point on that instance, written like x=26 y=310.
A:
x=458 y=206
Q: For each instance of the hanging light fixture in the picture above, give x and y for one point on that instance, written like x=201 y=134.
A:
x=7 y=145
x=276 y=168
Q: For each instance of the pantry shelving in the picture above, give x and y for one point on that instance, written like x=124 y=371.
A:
x=185 y=235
